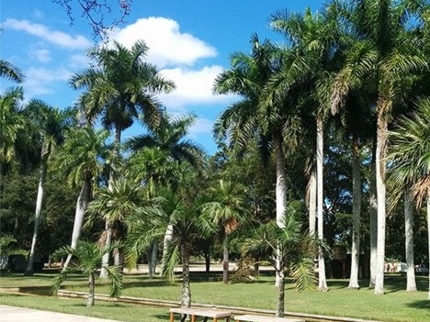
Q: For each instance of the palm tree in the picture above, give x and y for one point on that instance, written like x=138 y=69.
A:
x=383 y=58
x=149 y=223
x=222 y=214
x=269 y=121
x=315 y=43
x=48 y=125
x=157 y=159
x=121 y=89
x=297 y=251
x=11 y=72
x=409 y=156
x=113 y=206
x=247 y=77
x=87 y=259
x=169 y=137
x=80 y=161
x=11 y=122
x=7 y=248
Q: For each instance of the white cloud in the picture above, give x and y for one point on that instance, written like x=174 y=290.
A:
x=202 y=126
x=55 y=37
x=39 y=81
x=42 y=55
x=167 y=45
x=79 y=61
x=192 y=87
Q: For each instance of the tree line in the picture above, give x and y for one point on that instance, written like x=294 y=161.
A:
x=328 y=144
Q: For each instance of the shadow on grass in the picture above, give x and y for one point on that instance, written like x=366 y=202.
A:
x=164 y=317
x=422 y=304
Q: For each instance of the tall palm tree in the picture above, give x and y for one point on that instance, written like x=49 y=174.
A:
x=48 y=125
x=315 y=41
x=270 y=121
x=247 y=77
x=11 y=122
x=87 y=258
x=409 y=155
x=169 y=136
x=80 y=161
x=222 y=214
x=119 y=90
x=382 y=60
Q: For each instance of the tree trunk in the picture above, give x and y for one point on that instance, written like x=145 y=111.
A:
x=105 y=258
x=322 y=282
x=152 y=258
x=225 y=261
x=112 y=175
x=91 y=290
x=186 y=291
x=381 y=142
x=168 y=236
x=118 y=257
x=312 y=188
x=409 y=242
x=281 y=191
x=356 y=214
x=373 y=226
x=39 y=200
x=207 y=262
x=280 y=309
x=81 y=207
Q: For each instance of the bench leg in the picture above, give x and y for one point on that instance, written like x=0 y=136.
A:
x=172 y=317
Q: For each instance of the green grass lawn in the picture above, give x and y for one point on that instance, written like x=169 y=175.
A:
x=395 y=305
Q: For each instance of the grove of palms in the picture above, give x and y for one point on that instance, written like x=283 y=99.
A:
x=325 y=148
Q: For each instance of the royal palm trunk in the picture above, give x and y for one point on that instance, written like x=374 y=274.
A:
x=81 y=207
x=409 y=242
x=356 y=213
x=381 y=142
x=39 y=201
x=322 y=281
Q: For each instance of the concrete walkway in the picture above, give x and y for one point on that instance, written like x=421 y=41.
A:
x=20 y=314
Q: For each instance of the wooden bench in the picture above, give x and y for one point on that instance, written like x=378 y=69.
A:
x=263 y=318
x=192 y=313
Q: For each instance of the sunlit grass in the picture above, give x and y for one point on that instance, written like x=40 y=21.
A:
x=395 y=305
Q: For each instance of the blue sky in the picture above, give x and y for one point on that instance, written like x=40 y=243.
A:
x=190 y=41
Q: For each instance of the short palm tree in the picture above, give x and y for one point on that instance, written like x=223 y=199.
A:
x=7 y=248
x=150 y=222
x=295 y=249
x=222 y=214
x=87 y=258
x=113 y=206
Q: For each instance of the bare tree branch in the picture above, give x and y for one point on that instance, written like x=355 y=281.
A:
x=102 y=15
